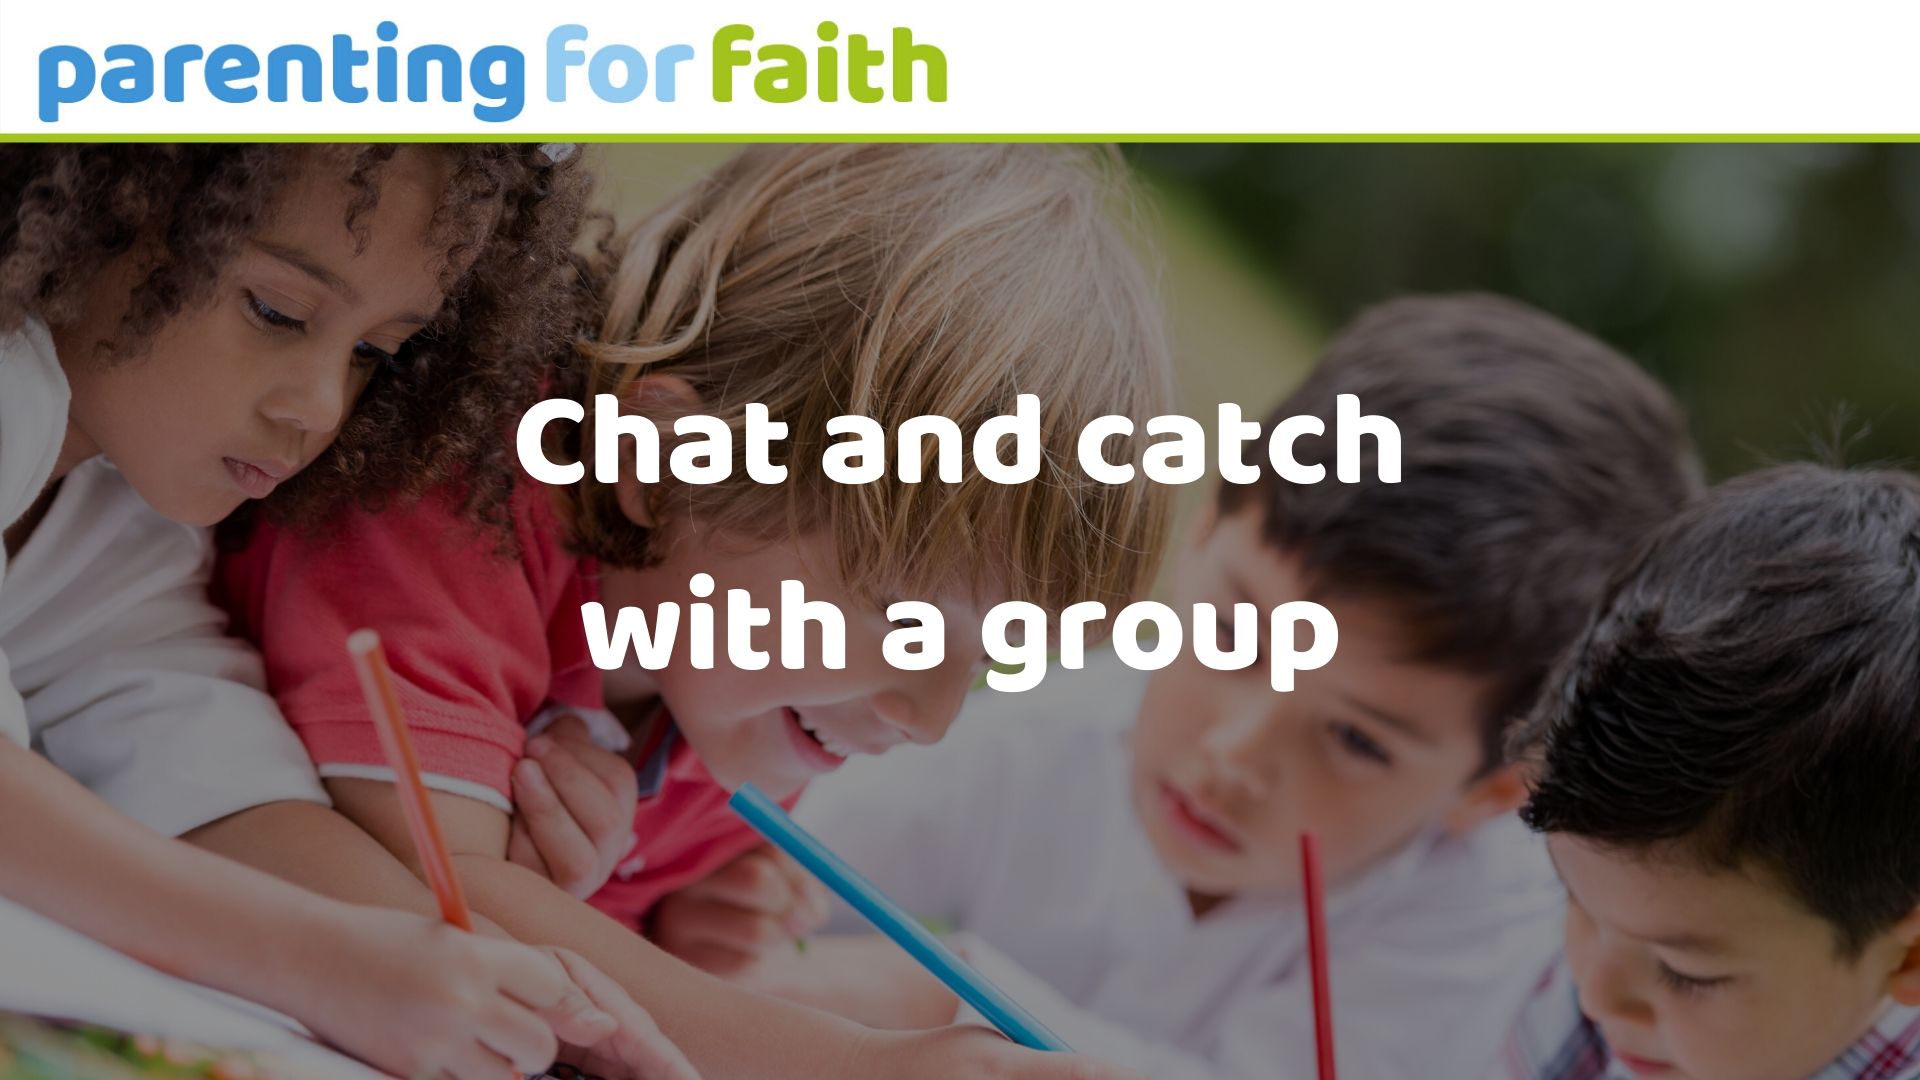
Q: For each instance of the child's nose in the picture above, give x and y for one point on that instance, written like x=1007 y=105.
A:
x=1240 y=749
x=914 y=721
x=923 y=712
x=1609 y=986
x=317 y=395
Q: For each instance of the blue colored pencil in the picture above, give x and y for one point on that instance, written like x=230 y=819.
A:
x=969 y=985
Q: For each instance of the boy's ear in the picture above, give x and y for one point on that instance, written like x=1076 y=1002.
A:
x=656 y=395
x=1903 y=985
x=1496 y=794
x=660 y=392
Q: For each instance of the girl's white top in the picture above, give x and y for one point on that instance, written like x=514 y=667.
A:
x=113 y=663
x=1020 y=830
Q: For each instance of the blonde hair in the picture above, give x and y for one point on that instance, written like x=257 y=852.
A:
x=895 y=281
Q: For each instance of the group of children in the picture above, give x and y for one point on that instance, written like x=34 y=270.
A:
x=1706 y=702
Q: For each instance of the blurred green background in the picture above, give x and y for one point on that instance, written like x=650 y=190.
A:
x=1767 y=285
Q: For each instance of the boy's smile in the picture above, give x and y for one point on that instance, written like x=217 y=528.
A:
x=781 y=727
x=1205 y=827
x=822 y=744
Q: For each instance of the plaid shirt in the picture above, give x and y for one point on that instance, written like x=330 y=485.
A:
x=1553 y=1041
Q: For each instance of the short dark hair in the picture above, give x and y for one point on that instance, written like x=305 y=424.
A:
x=1533 y=460
x=1749 y=693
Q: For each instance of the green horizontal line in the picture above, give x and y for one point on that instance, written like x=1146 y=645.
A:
x=1147 y=137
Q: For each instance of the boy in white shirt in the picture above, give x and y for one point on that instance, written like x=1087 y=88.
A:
x=1118 y=848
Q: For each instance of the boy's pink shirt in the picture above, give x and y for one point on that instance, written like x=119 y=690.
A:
x=479 y=644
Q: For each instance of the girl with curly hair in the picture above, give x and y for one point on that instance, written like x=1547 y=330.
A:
x=890 y=281
x=184 y=329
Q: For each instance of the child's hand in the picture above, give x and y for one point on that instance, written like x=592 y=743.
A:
x=974 y=1053
x=636 y=1050
x=574 y=805
x=759 y=904
x=418 y=997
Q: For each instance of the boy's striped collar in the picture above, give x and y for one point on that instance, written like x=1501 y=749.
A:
x=656 y=753
x=1890 y=1050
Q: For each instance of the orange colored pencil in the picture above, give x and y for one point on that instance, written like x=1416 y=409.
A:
x=376 y=681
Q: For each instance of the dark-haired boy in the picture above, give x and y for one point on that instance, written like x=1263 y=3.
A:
x=1126 y=842
x=1729 y=781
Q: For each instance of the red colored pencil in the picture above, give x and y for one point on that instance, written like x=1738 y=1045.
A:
x=376 y=681
x=1314 y=888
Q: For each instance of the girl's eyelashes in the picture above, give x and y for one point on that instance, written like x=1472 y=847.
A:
x=1687 y=984
x=1359 y=744
x=266 y=313
x=365 y=353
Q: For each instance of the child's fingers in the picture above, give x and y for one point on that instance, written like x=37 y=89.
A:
x=615 y=771
x=518 y=1035
x=716 y=959
x=474 y=1061
x=580 y=1022
x=537 y=979
x=573 y=861
x=569 y=728
x=709 y=922
x=812 y=903
x=637 y=1041
x=1084 y=1068
x=819 y=904
x=1036 y=1065
x=594 y=806
x=753 y=881
x=521 y=849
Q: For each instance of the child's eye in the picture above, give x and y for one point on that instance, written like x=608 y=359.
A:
x=1688 y=984
x=266 y=313
x=907 y=624
x=1358 y=743
x=365 y=353
x=1225 y=635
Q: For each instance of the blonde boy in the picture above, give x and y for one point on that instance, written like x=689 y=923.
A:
x=889 y=281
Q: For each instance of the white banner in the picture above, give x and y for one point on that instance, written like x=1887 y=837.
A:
x=992 y=67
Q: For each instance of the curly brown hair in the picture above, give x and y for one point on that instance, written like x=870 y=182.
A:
x=506 y=221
